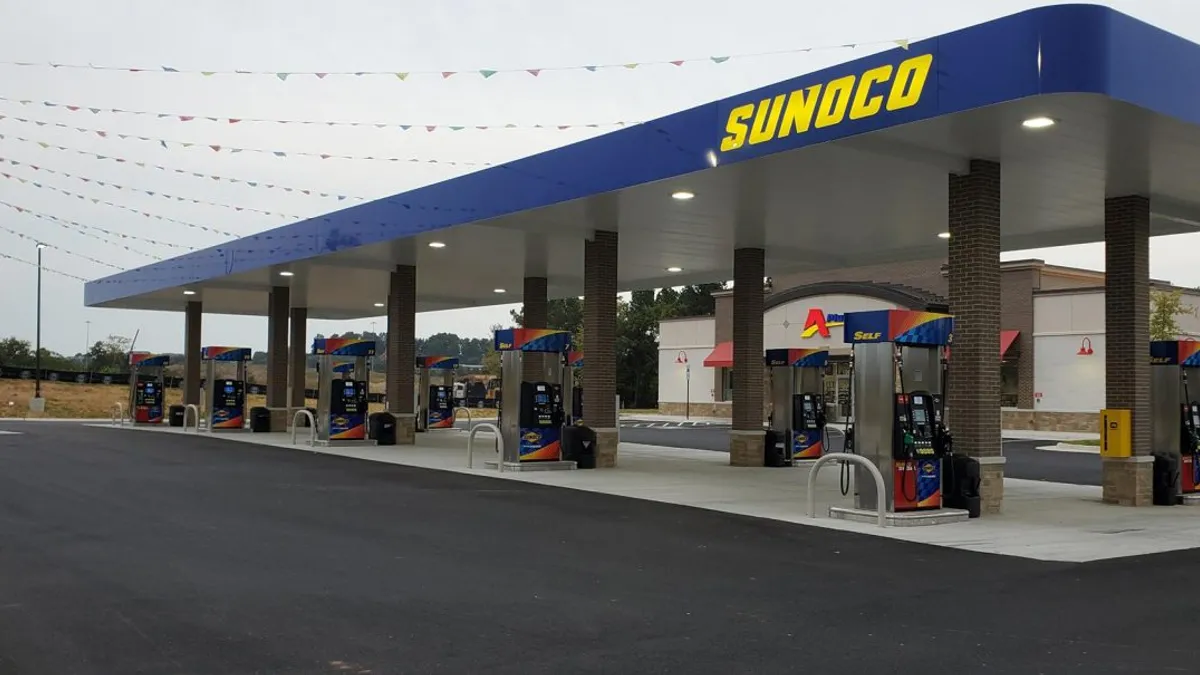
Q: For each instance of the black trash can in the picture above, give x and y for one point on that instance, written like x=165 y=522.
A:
x=774 y=452
x=260 y=419
x=373 y=425
x=1166 y=479
x=175 y=415
x=960 y=484
x=385 y=428
x=579 y=446
x=313 y=412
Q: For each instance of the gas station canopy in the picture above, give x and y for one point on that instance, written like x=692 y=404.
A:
x=843 y=167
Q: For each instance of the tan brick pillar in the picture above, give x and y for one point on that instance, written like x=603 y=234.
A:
x=1128 y=482
x=534 y=314
x=600 y=344
x=278 y=304
x=402 y=351
x=973 y=400
x=298 y=358
x=192 y=318
x=747 y=438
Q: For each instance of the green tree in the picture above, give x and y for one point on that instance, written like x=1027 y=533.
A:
x=1165 y=309
x=442 y=344
x=491 y=357
x=695 y=300
x=110 y=355
x=565 y=314
x=16 y=352
x=637 y=350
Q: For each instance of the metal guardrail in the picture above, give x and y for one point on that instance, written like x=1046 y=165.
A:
x=195 y=416
x=880 y=491
x=471 y=444
x=312 y=427
x=117 y=414
x=463 y=407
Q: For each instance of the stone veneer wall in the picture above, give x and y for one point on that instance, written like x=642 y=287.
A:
x=1045 y=420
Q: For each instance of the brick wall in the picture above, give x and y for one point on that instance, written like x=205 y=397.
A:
x=748 y=265
x=193 y=316
x=600 y=330
x=1127 y=312
x=1016 y=313
x=278 y=302
x=401 y=337
x=974 y=224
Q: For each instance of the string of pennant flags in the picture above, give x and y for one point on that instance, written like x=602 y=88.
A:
x=44 y=268
x=183 y=172
x=89 y=258
x=83 y=229
x=96 y=200
x=484 y=73
x=218 y=147
x=116 y=186
x=74 y=107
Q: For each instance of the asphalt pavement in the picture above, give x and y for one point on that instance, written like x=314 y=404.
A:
x=133 y=553
x=1024 y=459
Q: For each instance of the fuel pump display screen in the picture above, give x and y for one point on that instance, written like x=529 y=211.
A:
x=228 y=404
x=149 y=388
x=350 y=398
x=229 y=395
x=918 y=414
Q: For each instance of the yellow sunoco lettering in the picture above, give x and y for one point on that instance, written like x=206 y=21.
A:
x=864 y=104
x=798 y=114
x=766 y=120
x=835 y=101
x=909 y=82
x=736 y=127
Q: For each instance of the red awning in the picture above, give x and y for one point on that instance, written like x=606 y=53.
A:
x=1007 y=338
x=721 y=357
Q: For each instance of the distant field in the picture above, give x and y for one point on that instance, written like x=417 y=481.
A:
x=85 y=401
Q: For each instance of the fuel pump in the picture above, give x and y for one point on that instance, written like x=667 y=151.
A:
x=147 y=383
x=532 y=411
x=798 y=406
x=898 y=376
x=225 y=397
x=435 y=392
x=342 y=393
x=1174 y=414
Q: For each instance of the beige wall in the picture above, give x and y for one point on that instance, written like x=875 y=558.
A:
x=783 y=325
x=695 y=338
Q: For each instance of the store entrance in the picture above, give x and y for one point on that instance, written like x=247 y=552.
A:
x=837 y=389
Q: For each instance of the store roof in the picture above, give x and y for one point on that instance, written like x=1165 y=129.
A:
x=865 y=183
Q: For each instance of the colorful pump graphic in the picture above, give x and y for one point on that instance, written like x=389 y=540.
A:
x=533 y=431
x=226 y=397
x=435 y=391
x=342 y=407
x=146 y=395
x=797 y=401
x=1175 y=416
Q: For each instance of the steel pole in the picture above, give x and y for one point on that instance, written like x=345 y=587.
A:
x=37 y=386
x=687 y=389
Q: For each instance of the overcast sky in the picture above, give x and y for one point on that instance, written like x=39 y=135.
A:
x=396 y=35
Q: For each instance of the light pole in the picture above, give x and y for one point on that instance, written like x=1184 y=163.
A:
x=37 y=367
x=682 y=358
x=87 y=348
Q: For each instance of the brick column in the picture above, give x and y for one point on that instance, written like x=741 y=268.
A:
x=278 y=303
x=535 y=314
x=600 y=343
x=746 y=438
x=298 y=358
x=402 y=351
x=1128 y=482
x=191 y=352
x=974 y=397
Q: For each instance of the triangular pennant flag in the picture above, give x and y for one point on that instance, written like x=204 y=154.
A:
x=247 y=182
x=234 y=120
x=402 y=76
x=216 y=148
x=677 y=63
x=169 y=69
x=510 y=126
x=73 y=108
x=430 y=127
x=719 y=59
x=235 y=150
x=341 y=197
x=591 y=69
x=102 y=134
x=187 y=145
x=456 y=128
x=95 y=111
x=282 y=76
x=186 y=118
x=48 y=104
x=143 y=164
x=44 y=145
x=487 y=73
x=207 y=73
x=163 y=143
x=902 y=44
x=320 y=76
x=447 y=73
x=564 y=126
x=277 y=153
x=631 y=66
x=534 y=71
x=212 y=119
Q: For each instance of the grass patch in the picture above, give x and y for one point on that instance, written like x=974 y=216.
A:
x=1090 y=442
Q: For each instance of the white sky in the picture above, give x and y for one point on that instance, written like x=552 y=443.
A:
x=400 y=35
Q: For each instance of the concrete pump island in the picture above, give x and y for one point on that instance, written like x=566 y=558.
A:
x=1056 y=126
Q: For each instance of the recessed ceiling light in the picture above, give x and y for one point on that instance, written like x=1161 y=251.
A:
x=499 y=290
x=286 y=273
x=943 y=235
x=437 y=244
x=379 y=304
x=674 y=269
x=682 y=195
x=189 y=292
x=1037 y=123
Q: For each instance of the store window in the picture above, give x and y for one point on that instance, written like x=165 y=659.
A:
x=727 y=384
x=1009 y=380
